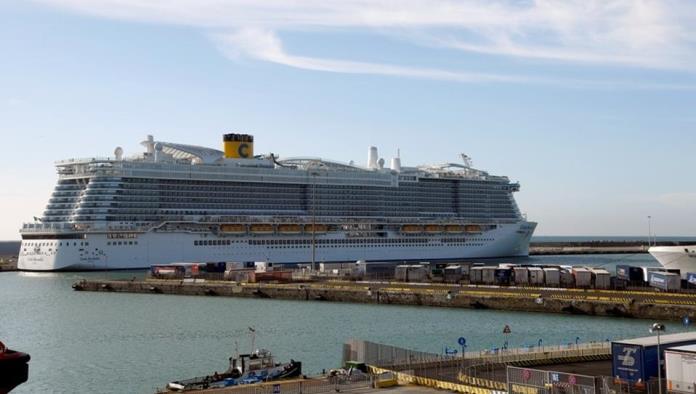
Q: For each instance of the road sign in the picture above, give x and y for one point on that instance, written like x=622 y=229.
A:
x=526 y=374
x=506 y=330
x=461 y=341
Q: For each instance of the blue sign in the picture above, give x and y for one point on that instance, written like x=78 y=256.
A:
x=462 y=341
x=686 y=321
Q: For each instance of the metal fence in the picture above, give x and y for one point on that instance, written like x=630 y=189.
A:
x=535 y=381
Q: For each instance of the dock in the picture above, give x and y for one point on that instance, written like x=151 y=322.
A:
x=8 y=263
x=643 y=304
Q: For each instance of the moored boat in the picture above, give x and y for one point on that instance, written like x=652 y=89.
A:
x=256 y=367
x=14 y=368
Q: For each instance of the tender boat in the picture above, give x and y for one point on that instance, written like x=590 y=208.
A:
x=256 y=367
x=14 y=368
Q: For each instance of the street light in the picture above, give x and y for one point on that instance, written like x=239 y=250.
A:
x=657 y=328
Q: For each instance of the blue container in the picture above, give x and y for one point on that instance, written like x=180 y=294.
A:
x=635 y=360
x=630 y=273
x=691 y=279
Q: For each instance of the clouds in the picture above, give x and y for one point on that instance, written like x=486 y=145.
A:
x=644 y=34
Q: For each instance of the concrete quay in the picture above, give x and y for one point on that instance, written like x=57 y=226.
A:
x=8 y=263
x=643 y=304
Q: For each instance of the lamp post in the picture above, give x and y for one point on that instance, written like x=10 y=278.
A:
x=649 y=230
x=657 y=328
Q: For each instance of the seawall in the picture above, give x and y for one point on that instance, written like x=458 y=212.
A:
x=631 y=304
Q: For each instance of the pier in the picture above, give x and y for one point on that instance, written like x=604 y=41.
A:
x=643 y=304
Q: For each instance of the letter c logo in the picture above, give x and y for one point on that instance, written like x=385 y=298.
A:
x=243 y=150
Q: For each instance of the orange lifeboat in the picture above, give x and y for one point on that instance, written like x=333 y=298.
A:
x=454 y=228
x=262 y=228
x=316 y=228
x=433 y=229
x=411 y=229
x=289 y=228
x=472 y=228
x=233 y=228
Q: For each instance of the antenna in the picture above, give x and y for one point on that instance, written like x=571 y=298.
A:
x=252 y=332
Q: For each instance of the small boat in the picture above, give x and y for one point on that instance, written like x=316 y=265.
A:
x=256 y=367
x=14 y=368
x=233 y=228
x=289 y=228
x=316 y=228
x=411 y=229
x=262 y=229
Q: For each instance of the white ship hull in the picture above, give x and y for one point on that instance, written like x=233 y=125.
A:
x=99 y=252
x=678 y=257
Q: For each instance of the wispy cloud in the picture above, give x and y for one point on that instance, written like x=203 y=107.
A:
x=651 y=34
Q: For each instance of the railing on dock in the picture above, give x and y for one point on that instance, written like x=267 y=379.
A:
x=334 y=384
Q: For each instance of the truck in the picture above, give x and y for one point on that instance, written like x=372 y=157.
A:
x=635 y=360
x=665 y=281
x=680 y=369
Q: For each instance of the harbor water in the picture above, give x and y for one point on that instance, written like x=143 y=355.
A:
x=84 y=342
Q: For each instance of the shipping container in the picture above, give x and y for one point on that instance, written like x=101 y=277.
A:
x=567 y=278
x=680 y=369
x=373 y=268
x=583 y=277
x=631 y=274
x=665 y=281
x=503 y=276
x=452 y=273
x=520 y=275
x=648 y=270
x=536 y=276
x=476 y=275
x=636 y=359
x=417 y=273
x=215 y=267
x=552 y=277
x=488 y=275
x=601 y=278
x=401 y=273
x=691 y=280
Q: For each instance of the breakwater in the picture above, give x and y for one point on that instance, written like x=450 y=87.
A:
x=629 y=303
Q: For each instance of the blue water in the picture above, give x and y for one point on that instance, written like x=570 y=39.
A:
x=133 y=343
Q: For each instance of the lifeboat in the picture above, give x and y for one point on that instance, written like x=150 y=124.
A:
x=472 y=228
x=411 y=229
x=233 y=228
x=316 y=228
x=454 y=228
x=261 y=228
x=289 y=228
x=433 y=229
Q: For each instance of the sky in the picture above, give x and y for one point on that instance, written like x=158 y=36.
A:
x=589 y=105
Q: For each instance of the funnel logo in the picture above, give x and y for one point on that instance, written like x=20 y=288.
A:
x=243 y=150
x=627 y=359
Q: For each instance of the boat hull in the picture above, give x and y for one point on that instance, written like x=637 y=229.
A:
x=99 y=252
x=681 y=257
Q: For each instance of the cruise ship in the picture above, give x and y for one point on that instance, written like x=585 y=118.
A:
x=185 y=203
x=681 y=257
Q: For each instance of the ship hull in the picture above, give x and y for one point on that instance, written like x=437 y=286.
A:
x=95 y=252
x=676 y=257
